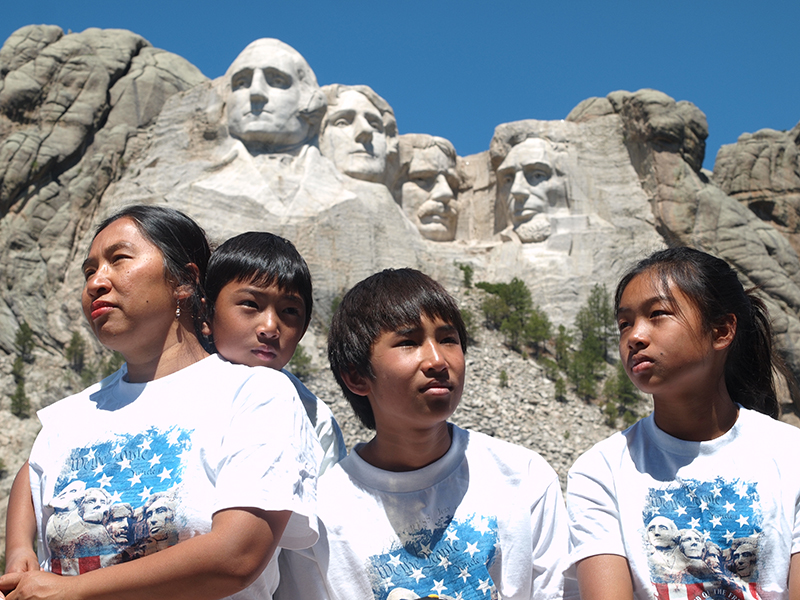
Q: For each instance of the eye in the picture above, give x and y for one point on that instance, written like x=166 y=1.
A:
x=277 y=79
x=87 y=273
x=241 y=80
x=658 y=313
x=119 y=256
x=424 y=181
x=452 y=339
x=622 y=324
x=249 y=304
x=536 y=176
x=341 y=122
x=376 y=124
x=292 y=310
x=507 y=178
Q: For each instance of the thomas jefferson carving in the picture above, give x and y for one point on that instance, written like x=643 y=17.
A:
x=359 y=132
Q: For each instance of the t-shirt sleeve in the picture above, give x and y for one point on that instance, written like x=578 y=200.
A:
x=270 y=456
x=550 y=537
x=594 y=520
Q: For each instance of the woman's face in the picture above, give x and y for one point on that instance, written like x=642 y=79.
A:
x=127 y=298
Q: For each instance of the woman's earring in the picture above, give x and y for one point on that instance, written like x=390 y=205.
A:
x=177 y=311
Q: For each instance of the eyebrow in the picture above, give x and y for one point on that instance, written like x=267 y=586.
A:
x=649 y=302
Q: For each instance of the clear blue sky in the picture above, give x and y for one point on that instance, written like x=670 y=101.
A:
x=459 y=68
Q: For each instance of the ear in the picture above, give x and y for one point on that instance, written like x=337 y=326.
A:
x=723 y=333
x=358 y=384
x=184 y=291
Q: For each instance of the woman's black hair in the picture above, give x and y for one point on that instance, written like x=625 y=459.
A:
x=181 y=241
x=712 y=285
x=385 y=301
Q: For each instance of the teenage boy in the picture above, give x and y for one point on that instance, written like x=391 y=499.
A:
x=258 y=290
x=424 y=509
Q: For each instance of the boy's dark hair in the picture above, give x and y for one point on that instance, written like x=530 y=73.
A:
x=716 y=292
x=180 y=240
x=260 y=258
x=386 y=301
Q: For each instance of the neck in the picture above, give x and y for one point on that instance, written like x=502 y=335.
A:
x=181 y=349
x=697 y=417
x=407 y=451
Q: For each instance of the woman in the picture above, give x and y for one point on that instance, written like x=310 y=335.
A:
x=212 y=457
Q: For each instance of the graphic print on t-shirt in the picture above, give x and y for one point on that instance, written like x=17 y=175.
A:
x=701 y=539
x=115 y=500
x=450 y=561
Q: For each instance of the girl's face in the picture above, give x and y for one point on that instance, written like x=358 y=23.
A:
x=664 y=346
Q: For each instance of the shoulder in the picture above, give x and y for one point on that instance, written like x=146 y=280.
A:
x=754 y=423
x=510 y=459
x=216 y=368
x=610 y=451
x=67 y=406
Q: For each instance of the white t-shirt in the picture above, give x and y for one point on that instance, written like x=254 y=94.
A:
x=122 y=470
x=715 y=519
x=485 y=519
x=328 y=432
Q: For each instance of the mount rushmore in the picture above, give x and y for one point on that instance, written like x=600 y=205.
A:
x=93 y=121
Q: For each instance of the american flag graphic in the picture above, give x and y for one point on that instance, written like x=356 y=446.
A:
x=130 y=467
x=449 y=562
x=115 y=500
x=702 y=539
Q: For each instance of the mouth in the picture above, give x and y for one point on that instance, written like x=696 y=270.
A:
x=437 y=387
x=99 y=308
x=264 y=353
x=639 y=363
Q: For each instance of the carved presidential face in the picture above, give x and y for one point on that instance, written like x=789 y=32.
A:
x=692 y=543
x=160 y=516
x=265 y=95
x=744 y=559
x=94 y=505
x=662 y=533
x=531 y=188
x=428 y=192
x=353 y=137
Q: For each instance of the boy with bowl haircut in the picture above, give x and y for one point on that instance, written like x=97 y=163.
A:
x=424 y=509
x=259 y=301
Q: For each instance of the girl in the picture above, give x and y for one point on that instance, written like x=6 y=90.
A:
x=710 y=459
x=176 y=476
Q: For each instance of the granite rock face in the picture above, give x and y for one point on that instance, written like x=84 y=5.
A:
x=762 y=171
x=666 y=140
x=69 y=104
x=94 y=121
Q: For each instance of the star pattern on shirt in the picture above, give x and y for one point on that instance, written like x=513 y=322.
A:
x=450 y=560
x=130 y=467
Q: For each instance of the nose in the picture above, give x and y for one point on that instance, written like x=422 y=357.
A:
x=268 y=327
x=97 y=284
x=519 y=189
x=259 y=90
x=441 y=191
x=363 y=130
x=433 y=359
x=637 y=337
